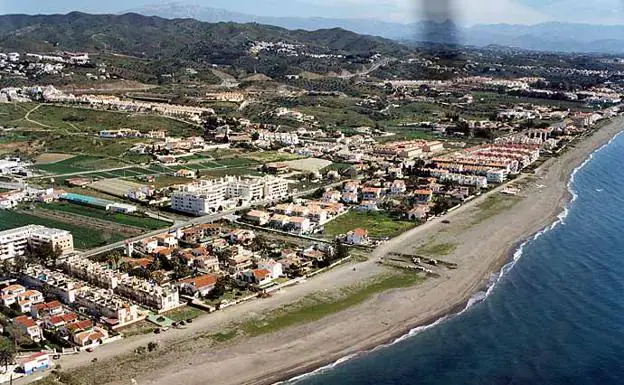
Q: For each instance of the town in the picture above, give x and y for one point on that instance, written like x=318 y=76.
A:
x=136 y=212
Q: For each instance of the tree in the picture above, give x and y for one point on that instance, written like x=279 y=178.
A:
x=255 y=136
x=7 y=352
x=58 y=251
x=151 y=346
x=115 y=259
x=341 y=250
x=20 y=264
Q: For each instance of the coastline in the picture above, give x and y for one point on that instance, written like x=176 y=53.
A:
x=484 y=248
x=505 y=264
x=603 y=137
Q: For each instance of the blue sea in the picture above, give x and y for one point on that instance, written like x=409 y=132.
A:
x=556 y=315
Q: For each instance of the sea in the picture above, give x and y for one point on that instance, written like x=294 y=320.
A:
x=553 y=315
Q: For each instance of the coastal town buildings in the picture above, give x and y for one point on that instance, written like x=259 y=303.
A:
x=210 y=196
x=14 y=242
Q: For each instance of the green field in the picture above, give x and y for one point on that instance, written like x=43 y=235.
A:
x=79 y=164
x=93 y=121
x=123 y=219
x=317 y=306
x=84 y=238
x=378 y=224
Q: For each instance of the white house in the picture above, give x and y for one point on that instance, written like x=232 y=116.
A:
x=275 y=268
x=358 y=236
x=398 y=187
x=368 y=206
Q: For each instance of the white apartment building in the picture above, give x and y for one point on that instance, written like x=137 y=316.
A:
x=288 y=138
x=150 y=294
x=210 y=196
x=13 y=242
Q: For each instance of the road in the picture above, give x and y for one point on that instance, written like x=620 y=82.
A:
x=195 y=221
x=374 y=67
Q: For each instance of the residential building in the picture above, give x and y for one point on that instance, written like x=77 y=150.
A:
x=13 y=243
x=28 y=327
x=368 y=206
x=349 y=197
x=11 y=294
x=257 y=217
x=299 y=225
x=258 y=276
x=371 y=193
x=37 y=362
x=93 y=336
x=275 y=268
x=149 y=294
x=423 y=196
x=201 y=285
x=239 y=258
x=496 y=176
x=331 y=196
x=209 y=196
x=398 y=187
x=358 y=236
x=418 y=213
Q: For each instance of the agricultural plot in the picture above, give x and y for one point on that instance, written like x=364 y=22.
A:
x=84 y=237
x=116 y=187
x=145 y=223
x=79 y=164
x=378 y=224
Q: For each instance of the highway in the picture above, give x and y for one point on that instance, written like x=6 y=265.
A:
x=195 y=221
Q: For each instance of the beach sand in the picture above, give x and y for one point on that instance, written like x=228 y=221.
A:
x=483 y=233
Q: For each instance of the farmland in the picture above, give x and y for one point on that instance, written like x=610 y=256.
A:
x=84 y=238
x=84 y=120
x=145 y=223
x=79 y=164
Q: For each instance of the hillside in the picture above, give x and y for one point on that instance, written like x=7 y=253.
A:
x=155 y=37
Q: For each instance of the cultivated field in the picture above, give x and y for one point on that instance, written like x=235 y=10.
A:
x=117 y=187
x=308 y=164
x=84 y=237
x=52 y=157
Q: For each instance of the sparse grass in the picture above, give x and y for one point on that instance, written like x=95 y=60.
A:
x=138 y=329
x=437 y=249
x=494 y=205
x=223 y=336
x=315 y=307
x=378 y=224
x=184 y=313
x=267 y=157
x=80 y=164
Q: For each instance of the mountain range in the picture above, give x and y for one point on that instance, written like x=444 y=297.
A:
x=549 y=36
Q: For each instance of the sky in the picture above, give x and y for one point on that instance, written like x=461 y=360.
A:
x=464 y=11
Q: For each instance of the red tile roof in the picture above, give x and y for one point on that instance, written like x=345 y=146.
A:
x=201 y=281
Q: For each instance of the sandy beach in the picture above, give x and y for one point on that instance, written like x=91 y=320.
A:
x=482 y=240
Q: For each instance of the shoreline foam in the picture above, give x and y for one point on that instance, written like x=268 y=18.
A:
x=481 y=295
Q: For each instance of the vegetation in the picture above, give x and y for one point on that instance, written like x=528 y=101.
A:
x=143 y=222
x=494 y=205
x=182 y=43
x=378 y=224
x=316 y=307
x=437 y=249
x=84 y=238
x=79 y=164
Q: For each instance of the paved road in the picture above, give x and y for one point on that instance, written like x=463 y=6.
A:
x=195 y=221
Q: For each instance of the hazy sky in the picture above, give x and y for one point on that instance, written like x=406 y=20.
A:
x=468 y=11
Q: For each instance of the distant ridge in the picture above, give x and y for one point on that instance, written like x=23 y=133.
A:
x=551 y=36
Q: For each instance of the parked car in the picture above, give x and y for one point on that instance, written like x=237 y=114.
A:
x=189 y=321
x=90 y=350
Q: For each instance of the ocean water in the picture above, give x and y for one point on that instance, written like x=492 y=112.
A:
x=555 y=317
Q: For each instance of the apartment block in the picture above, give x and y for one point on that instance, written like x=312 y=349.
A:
x=210 y=196
x=149 y=294
x=13 y=243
